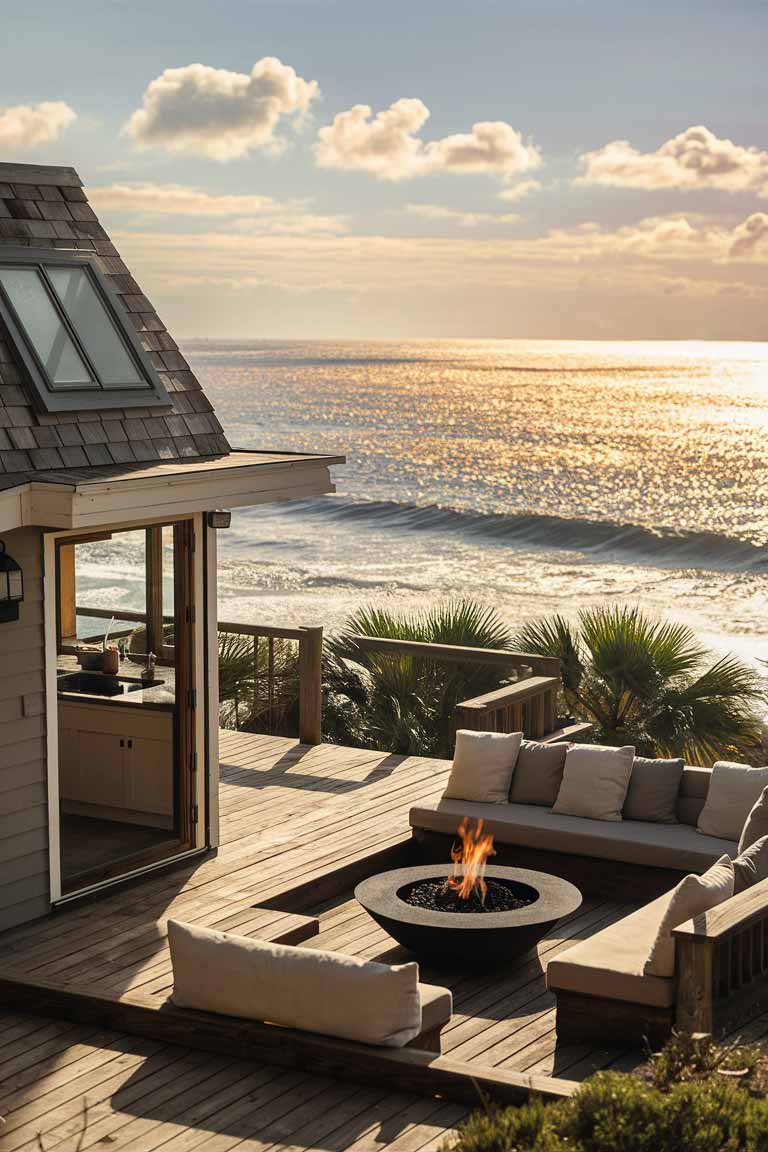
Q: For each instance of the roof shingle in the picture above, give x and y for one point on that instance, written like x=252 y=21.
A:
x=45 y=207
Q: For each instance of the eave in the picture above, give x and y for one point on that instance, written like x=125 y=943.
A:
x=96 y=498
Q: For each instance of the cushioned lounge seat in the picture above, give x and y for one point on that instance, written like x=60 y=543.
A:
x=610 y=963
x=677 y=846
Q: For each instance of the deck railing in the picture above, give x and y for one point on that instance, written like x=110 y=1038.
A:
x=529 y=705
x=262 y=674
x=721 y=964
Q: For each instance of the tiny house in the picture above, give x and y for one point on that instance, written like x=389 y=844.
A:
x=108 y=753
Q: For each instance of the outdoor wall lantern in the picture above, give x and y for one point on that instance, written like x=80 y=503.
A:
x=11 y=586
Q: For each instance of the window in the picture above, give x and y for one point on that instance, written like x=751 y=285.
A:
x=68 y=330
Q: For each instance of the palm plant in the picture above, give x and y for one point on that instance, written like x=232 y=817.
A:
x=650 y=683
x=404 y=703
x=256 y=695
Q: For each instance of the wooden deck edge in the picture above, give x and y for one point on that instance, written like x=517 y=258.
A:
x=325 y=885
x=399 y=1069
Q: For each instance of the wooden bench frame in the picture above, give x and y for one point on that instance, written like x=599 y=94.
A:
x=720 y=981
x=721 y=964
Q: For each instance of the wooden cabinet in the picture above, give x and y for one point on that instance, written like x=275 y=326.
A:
x=116 y=763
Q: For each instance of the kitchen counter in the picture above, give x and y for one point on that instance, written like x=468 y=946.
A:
x=161 y=697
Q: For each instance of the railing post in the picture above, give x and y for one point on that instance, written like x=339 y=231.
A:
x=310 y=686
x=694 y=979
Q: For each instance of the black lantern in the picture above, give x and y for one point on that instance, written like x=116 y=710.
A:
x=11 y=586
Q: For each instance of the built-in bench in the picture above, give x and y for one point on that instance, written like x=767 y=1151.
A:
x=602 y=990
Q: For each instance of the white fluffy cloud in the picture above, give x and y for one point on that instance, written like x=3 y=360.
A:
x=693 y=159
x=253 y=214
x=219 y=114
x=441 y=213
x=23 y=126
x=388 y=145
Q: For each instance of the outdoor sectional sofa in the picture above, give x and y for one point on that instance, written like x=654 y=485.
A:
x=602 y=990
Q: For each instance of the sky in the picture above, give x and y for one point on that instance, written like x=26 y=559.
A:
x=276 y=169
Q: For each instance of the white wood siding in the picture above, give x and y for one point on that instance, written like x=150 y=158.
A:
x=24 y=886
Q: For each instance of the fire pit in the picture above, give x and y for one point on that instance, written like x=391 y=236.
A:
x=479 y=915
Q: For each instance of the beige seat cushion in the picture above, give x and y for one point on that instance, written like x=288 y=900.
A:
x=483 y=763
x=692 y=896
x=302 y=988
x=653 y=789
x=733 y=790
x=611 y=962
x=751 y=865
x=436 y=1006
x=676 y=846
x=756 y=824
x=538 y=773
x=595 y=781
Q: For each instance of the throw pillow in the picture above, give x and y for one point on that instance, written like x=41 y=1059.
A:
x=595 y=781
x=756 y=824
x=538 y=773
x=483 y=763
x=751 y=865
x=733 y=789
x=653 y=789
x=303 y=988
x=692 y=896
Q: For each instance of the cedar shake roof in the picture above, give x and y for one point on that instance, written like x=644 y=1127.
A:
x=45 y=207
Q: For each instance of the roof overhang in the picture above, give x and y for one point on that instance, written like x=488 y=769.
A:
x=100 y=497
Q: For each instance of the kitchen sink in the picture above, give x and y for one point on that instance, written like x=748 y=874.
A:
x=101 y=684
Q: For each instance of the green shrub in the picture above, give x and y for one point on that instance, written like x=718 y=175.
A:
x=612 y=1112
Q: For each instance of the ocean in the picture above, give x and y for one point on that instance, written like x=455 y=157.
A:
x=536 y=476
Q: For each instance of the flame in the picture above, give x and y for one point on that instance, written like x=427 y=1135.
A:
x=469 y=860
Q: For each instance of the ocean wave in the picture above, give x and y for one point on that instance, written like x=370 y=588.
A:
x=657 y=547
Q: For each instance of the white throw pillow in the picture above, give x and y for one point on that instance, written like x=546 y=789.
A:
x=733 y=791
x=297 y=987
x=595 y=781
x=483 y=763
x=692 y=896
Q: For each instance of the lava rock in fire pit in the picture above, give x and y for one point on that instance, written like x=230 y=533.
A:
x=440 y=896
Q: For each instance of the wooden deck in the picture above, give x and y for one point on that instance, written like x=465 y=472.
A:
x=290 y=815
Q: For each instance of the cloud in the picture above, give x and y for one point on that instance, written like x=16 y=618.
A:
x=255 y=214
x=389 y=147
x=23 y=126
x=749 y=236
x=176 y=200
x=693 y=159
x=455 y=216
x=518 y=191
x=219 y=114
x=670 y=254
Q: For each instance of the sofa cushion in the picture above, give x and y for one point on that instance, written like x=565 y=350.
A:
x=483 y=763
x=653 y=789
x=676 y=846
x=751 y=865
x=756 y=823
x=595 y=781
x=538 y=773
x=611 y=962
x=733 y=790
x=692 y=896
x=302 y=988
x=436 y=1006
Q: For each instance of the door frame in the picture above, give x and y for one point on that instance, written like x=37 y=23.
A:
x=205 y=674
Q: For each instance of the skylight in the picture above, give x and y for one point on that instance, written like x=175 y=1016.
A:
x=71 y=335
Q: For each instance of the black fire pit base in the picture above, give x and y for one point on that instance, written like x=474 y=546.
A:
x=472 y=939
